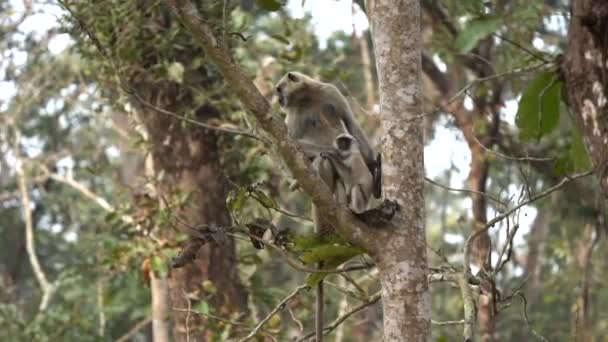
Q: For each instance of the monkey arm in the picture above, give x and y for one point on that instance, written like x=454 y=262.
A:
x=313 y=150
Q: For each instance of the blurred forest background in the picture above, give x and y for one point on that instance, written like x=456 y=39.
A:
x=114 y=128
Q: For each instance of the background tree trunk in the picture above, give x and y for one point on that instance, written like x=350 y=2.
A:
x=585 y=70
x=402 y=262
x=189 y=159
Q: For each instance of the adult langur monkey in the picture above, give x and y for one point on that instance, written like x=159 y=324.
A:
x=317 y=114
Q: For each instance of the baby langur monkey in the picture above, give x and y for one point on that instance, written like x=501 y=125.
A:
x=355 y=182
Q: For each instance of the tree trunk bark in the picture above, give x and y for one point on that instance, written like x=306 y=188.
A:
x=186 y=161
x=585 y=71
x=402 y=263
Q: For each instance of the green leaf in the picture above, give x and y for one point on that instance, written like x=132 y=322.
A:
x=280 y=38
x=332 y=257
x=236 y=199
x=305 y=242
x=265 y=200
x=269 y=5
x=538 y=112
x=331 y=252
x=476 y=30
x=575 y=159
x=159 y=265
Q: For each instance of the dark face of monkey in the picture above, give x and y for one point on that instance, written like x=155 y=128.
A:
x=283 y=86
x=344 y=142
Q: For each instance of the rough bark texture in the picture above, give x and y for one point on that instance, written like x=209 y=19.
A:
x=402 y=262
x=585 y=70
x=188 y=158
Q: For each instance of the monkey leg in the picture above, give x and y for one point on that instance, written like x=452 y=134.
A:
x=324 y=168
x=358 y=200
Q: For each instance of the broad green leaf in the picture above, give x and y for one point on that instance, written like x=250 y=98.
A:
x=305 y=242
x=575 y=159
x=269 y=5
x=475 y=31
x=280 y=38
x=332 y=257
x=265 y=200
x=330 y=252
x=538 y=112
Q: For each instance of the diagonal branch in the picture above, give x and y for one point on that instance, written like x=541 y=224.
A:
x=30 y=241
x=344 y=221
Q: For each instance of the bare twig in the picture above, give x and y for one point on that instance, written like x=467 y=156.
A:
x=486 y=195
x=504 y=156
x=370 y=301
x=519 y=46
x=274 y=311
x=525 y=314
x=295 y=319
x=492 y=77
x=214 y=317
x=492 y=222
x=191 y=121
x=462 y=321
x=137 y=327
x=508 y=245
x=100 y=201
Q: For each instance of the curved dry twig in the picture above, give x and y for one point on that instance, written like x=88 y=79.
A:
x=274 y=311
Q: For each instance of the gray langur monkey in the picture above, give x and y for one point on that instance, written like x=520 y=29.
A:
x=352 y=174
x=317 y=114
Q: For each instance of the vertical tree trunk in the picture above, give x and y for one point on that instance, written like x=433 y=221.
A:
x=186 y=161
x=585 y=251
x=585 y=70
x=160 y=308
x=402 y=262
x=189 y=159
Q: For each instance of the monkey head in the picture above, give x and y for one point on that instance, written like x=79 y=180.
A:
x=290 y=86
x=345 y=144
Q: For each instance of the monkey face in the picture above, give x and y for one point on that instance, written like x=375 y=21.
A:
x=344 y=142
x=287 y=85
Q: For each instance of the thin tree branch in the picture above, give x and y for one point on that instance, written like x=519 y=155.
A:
x=328 y=329
x=274 y=311
x=137 y=327
x=492 y=222
x=100 y=201
x=30 y=241
x=486 y=195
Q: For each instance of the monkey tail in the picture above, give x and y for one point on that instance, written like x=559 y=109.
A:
x=319 y=312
